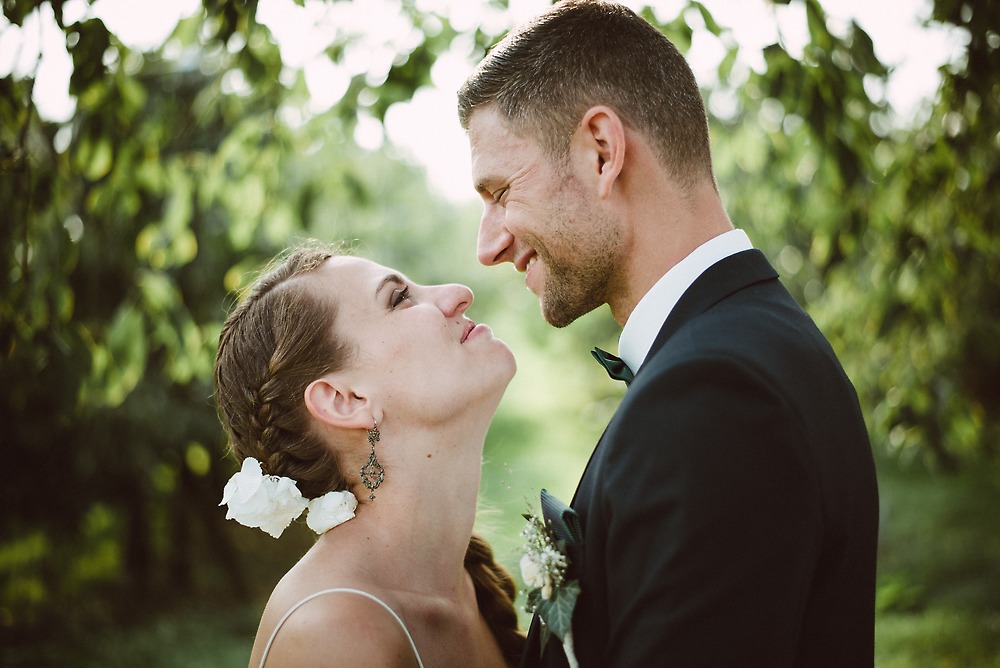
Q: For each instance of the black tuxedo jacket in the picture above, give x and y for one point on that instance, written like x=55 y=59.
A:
x=730 y=510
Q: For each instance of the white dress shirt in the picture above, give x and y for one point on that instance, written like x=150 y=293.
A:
x=652 y=310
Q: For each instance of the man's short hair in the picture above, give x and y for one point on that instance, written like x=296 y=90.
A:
x=544 y=75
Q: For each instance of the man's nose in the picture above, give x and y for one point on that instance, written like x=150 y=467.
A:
x=495 y=242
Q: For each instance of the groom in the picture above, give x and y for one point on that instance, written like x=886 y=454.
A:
x=730 y=509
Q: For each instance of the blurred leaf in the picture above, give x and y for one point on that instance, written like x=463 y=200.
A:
x=92 y=40
x=707 y=17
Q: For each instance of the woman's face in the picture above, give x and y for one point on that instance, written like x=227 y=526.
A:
x=415 y=346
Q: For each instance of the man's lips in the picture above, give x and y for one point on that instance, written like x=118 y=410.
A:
x=526 y=260
x=531 y=281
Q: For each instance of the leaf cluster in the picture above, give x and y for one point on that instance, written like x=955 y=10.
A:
x=126 y=233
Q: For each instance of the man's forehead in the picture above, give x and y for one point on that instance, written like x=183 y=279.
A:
x=486 y=125
x=494 y=144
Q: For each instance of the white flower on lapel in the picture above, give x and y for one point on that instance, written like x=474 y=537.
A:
x=550 y=594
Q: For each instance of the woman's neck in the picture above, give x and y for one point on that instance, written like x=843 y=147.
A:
x=416 y=532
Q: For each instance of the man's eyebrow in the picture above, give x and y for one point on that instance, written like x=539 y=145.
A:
x=391 y=278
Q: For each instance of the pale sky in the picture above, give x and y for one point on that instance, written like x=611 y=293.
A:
x=426 y=128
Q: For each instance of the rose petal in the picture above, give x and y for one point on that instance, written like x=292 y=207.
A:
x=256 y=500
x=530 y=571
x=330 y=510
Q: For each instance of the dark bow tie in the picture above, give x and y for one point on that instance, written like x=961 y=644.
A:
x=615 y=366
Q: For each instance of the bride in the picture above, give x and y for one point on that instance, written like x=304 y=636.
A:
x=348 y=390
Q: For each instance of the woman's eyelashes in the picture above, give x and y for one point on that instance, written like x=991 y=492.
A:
x=399 y=296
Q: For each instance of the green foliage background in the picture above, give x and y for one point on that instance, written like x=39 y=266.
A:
x=125 y=230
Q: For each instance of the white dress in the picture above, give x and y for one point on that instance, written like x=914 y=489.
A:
x=338 y=590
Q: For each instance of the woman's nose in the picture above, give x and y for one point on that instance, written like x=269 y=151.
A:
x=454 y=299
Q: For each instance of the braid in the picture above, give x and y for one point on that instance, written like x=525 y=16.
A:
x=261 y=417
x=273 y=344
x=495 y=593
x=272 y=431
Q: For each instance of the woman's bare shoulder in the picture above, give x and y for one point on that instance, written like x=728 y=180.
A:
x=341 y=627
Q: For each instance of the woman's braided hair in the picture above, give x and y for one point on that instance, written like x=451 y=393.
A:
x=275 y=342
x=495 y=593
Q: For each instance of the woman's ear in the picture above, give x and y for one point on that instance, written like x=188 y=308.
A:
x=338 y=405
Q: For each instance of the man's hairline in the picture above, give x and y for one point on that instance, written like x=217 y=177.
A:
x=522 y=128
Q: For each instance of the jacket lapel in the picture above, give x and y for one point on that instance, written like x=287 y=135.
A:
x=722 y=279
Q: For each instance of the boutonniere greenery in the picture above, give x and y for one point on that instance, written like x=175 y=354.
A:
x=544 y=568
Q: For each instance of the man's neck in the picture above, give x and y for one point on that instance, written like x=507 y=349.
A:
x=661 y=239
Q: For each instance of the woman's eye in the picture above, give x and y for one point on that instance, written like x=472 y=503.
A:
x=399 y=296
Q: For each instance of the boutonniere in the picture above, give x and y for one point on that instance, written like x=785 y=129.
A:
x=545 y=569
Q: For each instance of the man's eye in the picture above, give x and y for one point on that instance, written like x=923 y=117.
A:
x=499 y=195
x=399 y=296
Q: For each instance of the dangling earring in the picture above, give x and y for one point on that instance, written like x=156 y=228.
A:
x=372 y=473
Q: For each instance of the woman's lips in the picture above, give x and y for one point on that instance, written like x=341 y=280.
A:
x=476 y=331
x=468 y=330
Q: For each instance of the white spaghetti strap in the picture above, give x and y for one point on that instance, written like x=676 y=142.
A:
x=413 y=645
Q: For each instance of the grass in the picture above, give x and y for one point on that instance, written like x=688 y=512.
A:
x=938 y=602
x=938 y=592
x=192 y=637
x=938 y=637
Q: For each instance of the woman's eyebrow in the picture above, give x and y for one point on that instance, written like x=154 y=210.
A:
x=391 y=278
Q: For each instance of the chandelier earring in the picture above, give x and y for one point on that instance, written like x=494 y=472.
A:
x=372 y=473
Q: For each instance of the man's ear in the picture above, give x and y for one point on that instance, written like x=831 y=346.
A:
x=336 y=404
x=604 y=133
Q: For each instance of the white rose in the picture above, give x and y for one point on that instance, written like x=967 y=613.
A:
x=547 y=591
x=329 y=510
x=531 y=573
x=257 y=500
x=243 y=485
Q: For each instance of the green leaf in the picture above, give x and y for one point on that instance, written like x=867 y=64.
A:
x=710 y=24
x=557 y=612
x=816 y=20
x=726 y=65
x=94 y=156
x=93 y=39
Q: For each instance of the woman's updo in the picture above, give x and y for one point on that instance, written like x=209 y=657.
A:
x=274 y=343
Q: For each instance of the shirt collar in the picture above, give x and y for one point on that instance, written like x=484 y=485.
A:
x=652 y=310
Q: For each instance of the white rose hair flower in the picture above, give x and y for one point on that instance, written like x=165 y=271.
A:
x=331 y=509
x=271 y=502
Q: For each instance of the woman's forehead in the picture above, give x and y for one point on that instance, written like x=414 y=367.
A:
x=352 y=262
x=349 y=267
x=360 y=272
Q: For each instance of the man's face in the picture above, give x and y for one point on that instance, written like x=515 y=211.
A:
x=542 y=215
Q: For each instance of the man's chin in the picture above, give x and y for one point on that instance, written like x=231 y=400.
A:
x=556 y=315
